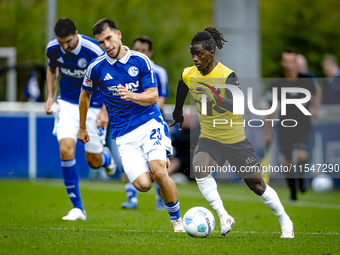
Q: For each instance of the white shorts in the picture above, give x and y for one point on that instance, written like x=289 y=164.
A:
x=150 y=141
x=66 y=125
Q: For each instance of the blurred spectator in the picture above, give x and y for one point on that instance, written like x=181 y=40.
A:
x=302 y=67
x=144 y=45
x=293 y=137
x=184 y=143
x=331 y=85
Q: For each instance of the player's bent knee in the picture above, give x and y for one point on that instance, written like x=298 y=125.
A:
x=143 y=182
x=94 y=160
x=67 y=148
x=201 y=161
x=257 y=185
x=66 y=154
x=94 y=164
x=199 y=174
x=142 y=186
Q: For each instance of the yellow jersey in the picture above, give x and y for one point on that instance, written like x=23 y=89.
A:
x=226 y=133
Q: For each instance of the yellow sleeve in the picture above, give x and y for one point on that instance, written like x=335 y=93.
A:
x=186 y=77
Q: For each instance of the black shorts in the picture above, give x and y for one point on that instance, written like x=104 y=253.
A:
x=293 y=139
x=240 y=155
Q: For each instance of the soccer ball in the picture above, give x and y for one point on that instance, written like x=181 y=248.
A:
x=199 y=222
x=322 y=183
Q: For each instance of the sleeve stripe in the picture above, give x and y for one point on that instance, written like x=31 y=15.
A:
x=147 y=60
x=163 y=77
x=52 y=43
x=92 y=46
x=89 y=68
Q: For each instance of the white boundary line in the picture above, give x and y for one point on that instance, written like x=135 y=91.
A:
x=224 y=196
x=157 y=230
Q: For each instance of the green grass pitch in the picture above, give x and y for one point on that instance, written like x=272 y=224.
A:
x=30 y=222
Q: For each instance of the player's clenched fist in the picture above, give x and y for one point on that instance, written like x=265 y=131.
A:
x=83 y=135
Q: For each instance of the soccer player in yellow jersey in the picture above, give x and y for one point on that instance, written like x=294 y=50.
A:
x=218 y=143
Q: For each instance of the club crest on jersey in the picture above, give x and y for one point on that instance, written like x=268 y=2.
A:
x=82 y=62
x=133 y=71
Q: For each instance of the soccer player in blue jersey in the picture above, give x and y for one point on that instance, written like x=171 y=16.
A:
x=71 y=53
x=144 y=45
x=126 y=81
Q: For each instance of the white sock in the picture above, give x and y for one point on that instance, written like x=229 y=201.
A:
x=208 y=188
x=271 y=199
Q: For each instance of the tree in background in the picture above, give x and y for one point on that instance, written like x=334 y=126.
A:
x=309 y=26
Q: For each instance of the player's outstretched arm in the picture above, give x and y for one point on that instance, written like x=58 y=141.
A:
x=51 y=79
x=181 y=95
x=84 y=103
x=148 y=97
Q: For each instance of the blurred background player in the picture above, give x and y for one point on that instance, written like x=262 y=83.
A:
x=331 y=85
x=219 y=143
x=184 y=142
x=137 y=124
x=302 y=68
x=71 y=53
x=144 y=45
x=297 y=137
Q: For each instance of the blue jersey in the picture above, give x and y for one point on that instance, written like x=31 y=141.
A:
x=135 y=72
x=162 y=80
x=72 y=67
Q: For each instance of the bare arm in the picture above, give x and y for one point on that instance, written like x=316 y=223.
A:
x=51 y=79
x=148 y=97
x=160 y=102
x=102 y=117
x=181 y=95
x=84 y=103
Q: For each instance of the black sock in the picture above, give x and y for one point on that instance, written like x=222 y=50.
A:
x=301 y=171
x=292 y=187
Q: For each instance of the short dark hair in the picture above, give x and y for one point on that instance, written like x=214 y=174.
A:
x=332 y=58
x=102 y=24
x=289 y=50
x=64 y=27
x=210 y=37
x=144 y=39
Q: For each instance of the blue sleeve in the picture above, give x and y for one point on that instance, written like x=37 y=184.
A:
x=147 y=76
x=51 y=59
x=163 y=86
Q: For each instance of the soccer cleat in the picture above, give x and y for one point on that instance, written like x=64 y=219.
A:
x=129 y=205
x=226 y=222
x=75 y=214
x=287 y=231
x=177 y=225
x=111 y=168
